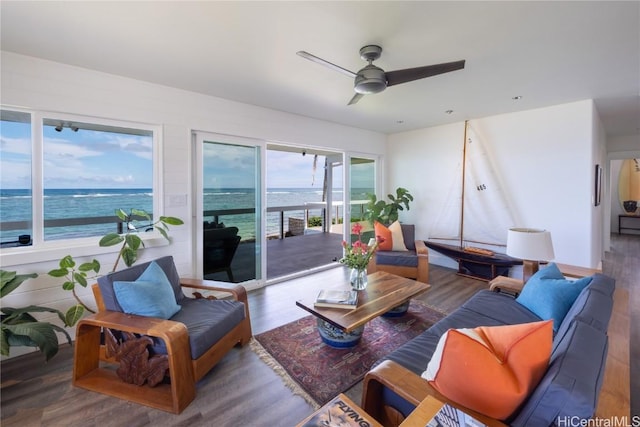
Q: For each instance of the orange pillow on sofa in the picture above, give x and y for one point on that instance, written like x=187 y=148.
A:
x=493 y=369
x=392 y=235
x=384 y=234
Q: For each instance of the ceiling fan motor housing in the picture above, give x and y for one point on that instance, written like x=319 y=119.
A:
x=370 y=79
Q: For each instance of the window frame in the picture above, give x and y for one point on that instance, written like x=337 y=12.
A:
x=44 y=250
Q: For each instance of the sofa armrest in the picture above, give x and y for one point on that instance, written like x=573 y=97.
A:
x=507 y=285
x=409 y=386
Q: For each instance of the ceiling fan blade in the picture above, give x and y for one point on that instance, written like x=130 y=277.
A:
x=410 y=74
x=355 y=98
x=313 y=58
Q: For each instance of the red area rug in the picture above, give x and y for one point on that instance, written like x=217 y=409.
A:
x=297 y=353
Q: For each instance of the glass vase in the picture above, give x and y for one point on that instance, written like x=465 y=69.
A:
x=358 y=279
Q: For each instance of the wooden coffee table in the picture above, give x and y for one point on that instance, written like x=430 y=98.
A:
x=385 y=291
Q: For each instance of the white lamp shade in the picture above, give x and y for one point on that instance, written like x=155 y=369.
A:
x=530 y=244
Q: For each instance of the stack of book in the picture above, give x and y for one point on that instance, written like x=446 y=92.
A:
x=331 y=298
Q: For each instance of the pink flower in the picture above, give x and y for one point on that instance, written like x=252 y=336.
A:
x=356 y=228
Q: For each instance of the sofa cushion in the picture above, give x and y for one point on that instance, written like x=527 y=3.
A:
x=397 y=258
x=409 y=236
x=151 y=295
x=500 y=307
x=550 y=297
x=131 y=274
x=592 y=307
x=511 y=358
x=569 y=389
x=207 y=322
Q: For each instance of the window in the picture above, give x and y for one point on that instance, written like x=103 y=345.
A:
x=85 y=169
x=15 y=178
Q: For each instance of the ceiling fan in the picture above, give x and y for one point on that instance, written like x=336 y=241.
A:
x=372 y=79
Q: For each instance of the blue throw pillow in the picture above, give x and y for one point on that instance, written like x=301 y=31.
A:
x=550 y=296
x=150 y=295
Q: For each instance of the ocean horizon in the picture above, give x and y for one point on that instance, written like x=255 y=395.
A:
x=15 y=206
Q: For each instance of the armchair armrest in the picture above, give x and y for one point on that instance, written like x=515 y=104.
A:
x=409 y=386
x=88 y=374
x=238 y=292
x=421 y=248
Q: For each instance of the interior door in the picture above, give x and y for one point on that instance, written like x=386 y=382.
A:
x=230 y=219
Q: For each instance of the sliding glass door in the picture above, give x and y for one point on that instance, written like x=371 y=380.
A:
x=229 y=208
x=362 y=183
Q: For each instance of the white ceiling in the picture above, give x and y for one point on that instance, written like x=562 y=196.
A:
x=547 y=52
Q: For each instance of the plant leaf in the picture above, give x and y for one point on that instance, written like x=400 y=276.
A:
x=68 y=286
x=111 y=239
x=41 y=333
x=171 y=220
x=81 y=279
x=58 y=272
x=122 y=215
x=73 y=314
x=129 y=256
x=4 y=343
x=6 y=276
x=67 y=262
x=87 y=266
x=164 y=233
x=16 y=280
x=140 y=212
x=134 y=241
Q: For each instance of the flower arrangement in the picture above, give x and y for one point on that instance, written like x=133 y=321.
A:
x=358 y=254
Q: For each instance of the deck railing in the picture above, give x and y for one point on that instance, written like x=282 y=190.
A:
x=216 y=214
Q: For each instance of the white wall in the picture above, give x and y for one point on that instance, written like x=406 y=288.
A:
x=44 y=85
x=544 y=157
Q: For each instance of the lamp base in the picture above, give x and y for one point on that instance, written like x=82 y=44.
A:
x=529 y=268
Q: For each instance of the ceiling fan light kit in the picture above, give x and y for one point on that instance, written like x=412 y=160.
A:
x=372 y=79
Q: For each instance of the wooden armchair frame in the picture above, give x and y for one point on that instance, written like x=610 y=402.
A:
x=419 y=273
x=88 y=373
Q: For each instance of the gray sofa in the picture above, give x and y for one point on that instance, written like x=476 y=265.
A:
x=569 y=388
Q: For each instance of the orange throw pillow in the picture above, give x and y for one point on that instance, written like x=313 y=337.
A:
x=493 y=369
x=384 y=234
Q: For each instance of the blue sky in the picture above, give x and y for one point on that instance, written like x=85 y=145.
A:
x=83 y=159
x=92 y=159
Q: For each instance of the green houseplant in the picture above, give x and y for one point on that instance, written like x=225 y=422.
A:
x=20 y=328
x=130 y=243
x=387 y=212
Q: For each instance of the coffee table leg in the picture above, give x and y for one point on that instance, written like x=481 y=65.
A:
x=398 y=311
x=336 y=337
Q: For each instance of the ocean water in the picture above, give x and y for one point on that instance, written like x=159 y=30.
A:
x=15 y=205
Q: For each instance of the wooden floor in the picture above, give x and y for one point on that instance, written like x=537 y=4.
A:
x=241 y=390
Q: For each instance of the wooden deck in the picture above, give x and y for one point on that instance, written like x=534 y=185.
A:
x=286 y=256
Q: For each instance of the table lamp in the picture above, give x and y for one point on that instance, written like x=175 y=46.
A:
x=531 y=245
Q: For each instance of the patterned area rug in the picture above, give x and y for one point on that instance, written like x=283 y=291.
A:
x=318 y=372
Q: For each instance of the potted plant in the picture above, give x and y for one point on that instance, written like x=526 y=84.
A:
x=387 y=212
x=20 y=328
x=128 y=252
